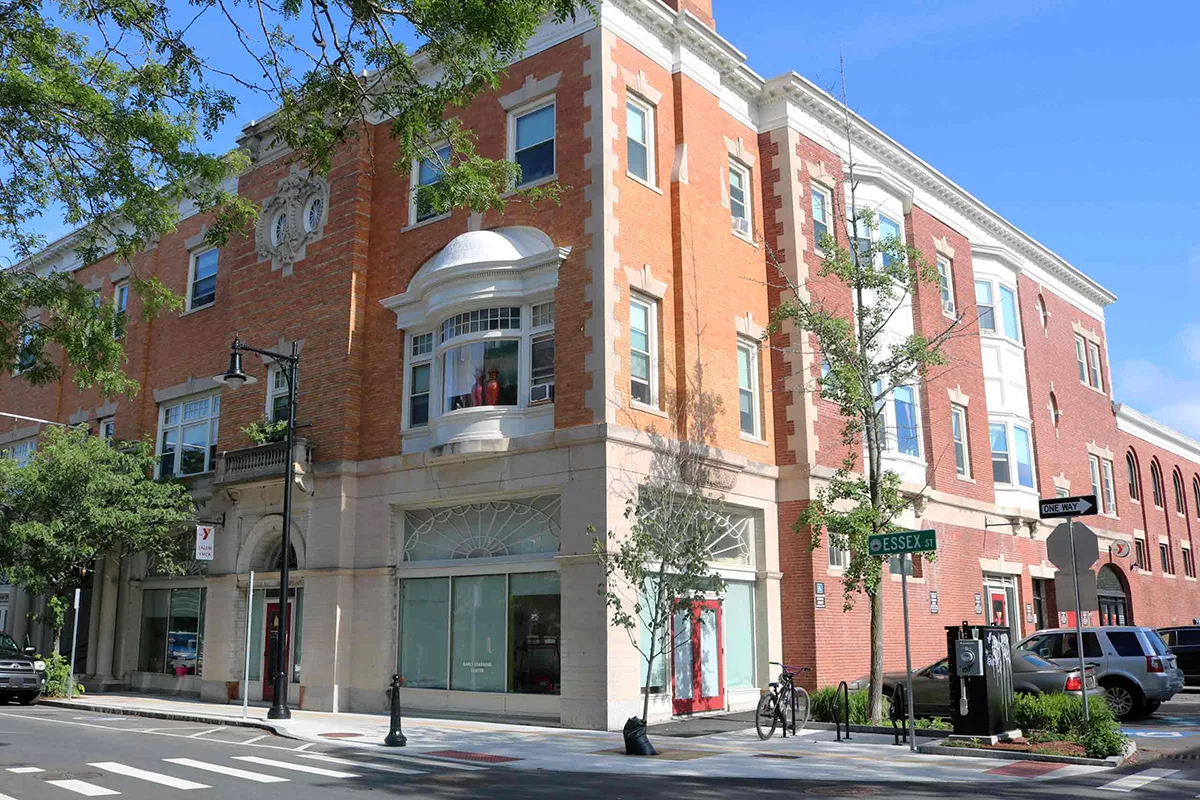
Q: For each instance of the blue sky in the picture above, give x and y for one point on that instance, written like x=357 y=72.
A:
x=1078 y=121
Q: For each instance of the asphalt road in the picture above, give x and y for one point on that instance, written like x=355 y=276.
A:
x=61 y=754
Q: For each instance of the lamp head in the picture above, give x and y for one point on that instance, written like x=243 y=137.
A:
x=235 y=377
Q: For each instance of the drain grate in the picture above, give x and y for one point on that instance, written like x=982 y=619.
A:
x=779 y=756
x=463 y=755
x=339 y=735
x=70 y=776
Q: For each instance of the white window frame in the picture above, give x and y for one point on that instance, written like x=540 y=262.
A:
x=651 y=305
x=960 y=412
x=827 y=200
x=839 y=559
x=945 y=270
x=1081 y=362
x=991 y=305
x=750 y=348
x=1010 y=434
x=1001 y=288
x=275 y=371
x=539 y=333
x=417 y=359
x=21 y=450
x=121 y=302
x=890 y=435
x=523 y=111
x=1108 y=485
x=1095 y=376
x=747 y=200
x=107 y=427
x=995 y=288
x=647 y=109
x=210 y=461
x=193 y=257
x=415 y=184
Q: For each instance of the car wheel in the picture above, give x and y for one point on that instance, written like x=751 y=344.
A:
x=1124 y=698
x=29 y=698
x=1150 y=707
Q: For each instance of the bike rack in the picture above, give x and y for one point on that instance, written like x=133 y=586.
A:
x=843 y=690
x=900 y=703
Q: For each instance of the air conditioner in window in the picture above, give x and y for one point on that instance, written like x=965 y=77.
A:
x=741 y=226
x=544 y=391
x=948 y=307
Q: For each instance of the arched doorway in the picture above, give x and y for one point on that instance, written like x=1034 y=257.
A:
x=1114 y=597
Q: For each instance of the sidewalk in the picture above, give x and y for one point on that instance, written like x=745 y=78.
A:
x=814 y=755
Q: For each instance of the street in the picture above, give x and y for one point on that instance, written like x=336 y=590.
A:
x=58 y=754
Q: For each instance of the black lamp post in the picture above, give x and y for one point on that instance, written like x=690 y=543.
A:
x=235 y=378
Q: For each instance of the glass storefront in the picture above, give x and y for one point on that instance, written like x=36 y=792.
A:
x=739 y=635
x=172 y=640
x=481 y=633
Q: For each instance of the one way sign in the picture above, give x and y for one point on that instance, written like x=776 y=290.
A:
x=1053 y=507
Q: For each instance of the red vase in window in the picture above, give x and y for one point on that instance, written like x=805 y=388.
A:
x=491 y=389
x=477 y=390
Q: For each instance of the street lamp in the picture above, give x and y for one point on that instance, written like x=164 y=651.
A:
x=235 y=377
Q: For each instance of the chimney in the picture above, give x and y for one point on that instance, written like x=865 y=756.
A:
x=701 y=8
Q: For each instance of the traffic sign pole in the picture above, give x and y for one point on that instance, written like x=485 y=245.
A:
x=1079 y=622
x=912 y=724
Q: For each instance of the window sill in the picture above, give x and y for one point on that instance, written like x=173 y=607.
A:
x=949 y=314
x=638 y=405
x=533 y=184
x=911 y=578
x=898 y=456
x=835 y=572
x=1170 y=575
x=1189 y=578
x=752 y=439
x=745 y=237
x=965 y=478
x=1001 y=337
x=422 y=223
x=1100 y=392
x=645 y=183
x=195 y=309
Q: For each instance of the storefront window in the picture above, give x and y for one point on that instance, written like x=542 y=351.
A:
x=477 y=655
x=739 y=635
x=172 y=631
x=658 y=678
x=534 y=632
x=481 y=374
x=425 y=631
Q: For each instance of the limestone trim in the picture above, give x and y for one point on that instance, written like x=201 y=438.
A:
x=286 y=242
x=79 y=417
x=1091 y=334
x=197 y=241
x=1001 y=566
x=1044 y=570
x=737 y=148
x=942 y=245
x=263 y=538
x=107 y=410
x=120 y=273
x=17 y=434
x=95 y=283
x=679 y=169
x=746 y=326
x=819 y=173
x=1062 y=482
x=639 y=84
x=958 y=397
x=281 y=346
x=531 y=89
x=189 y=387
x=1098 y=451
x=644 y=282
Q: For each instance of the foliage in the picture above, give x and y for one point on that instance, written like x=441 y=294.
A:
x=824 y=705
x=79 y=499
x=264 y=431
x=58 y=676
x=1060 y=717
x=865 y=359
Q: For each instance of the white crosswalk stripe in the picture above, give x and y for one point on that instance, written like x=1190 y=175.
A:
x=84 y=788
x=25 y=770
x=1137 y=780
x=345 y=762
x=6 y=797
x=146 y=775
x=266 y=762
x=221 y=769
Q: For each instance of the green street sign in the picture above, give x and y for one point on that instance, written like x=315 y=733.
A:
x=890 y=544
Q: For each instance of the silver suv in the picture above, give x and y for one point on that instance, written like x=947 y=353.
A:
x=1132 y=663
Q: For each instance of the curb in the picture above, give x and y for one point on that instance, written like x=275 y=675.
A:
x=174 y=716
x=929 y=733
x=937 y=748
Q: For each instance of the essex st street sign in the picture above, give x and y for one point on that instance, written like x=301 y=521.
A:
x=1053 y=507
x=888 y=544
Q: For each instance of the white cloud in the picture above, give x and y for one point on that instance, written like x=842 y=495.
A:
x=1171 y=398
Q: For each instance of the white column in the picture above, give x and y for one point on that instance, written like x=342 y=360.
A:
x=93 y=621
x=111 y=583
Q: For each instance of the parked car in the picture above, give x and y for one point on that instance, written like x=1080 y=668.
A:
x=1031 y=673
x=1184 y=642
x=21 y=675
x=1132 y=663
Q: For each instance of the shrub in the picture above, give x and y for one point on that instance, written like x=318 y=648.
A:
x=822 y=706
x=1060 y=716
x=1102 y=741
x=58 y=676
x=263 y=431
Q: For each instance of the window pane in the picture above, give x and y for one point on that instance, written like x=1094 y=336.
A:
x=152 y=656
x=658 y=680
x=958 y=426
x=746 y=411
x=536 y=162
x=998 y=434
x=542 y=361
x=906 y=421
x=206 y=264
x=535 y=127
x=183 y=638
x=534 y=632
x=481 y=374
x=983 y=300
x=194 y=449
x=737 y=193
x=888 y=229
x=1079 y=359
x=636 y=144
x=1008 y=310
x=820 y=214
x=739 y=635
x=424 y=632
x=478 y=656
x=1024 y=453
x=418 y=411
x=1126 y=643
x=535 y=145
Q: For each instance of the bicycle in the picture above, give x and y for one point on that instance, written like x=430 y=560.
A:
x=784 y=702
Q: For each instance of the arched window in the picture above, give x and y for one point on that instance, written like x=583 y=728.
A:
x=1131 y=466
x=1156 y=484
x=1055 y=412
x=1043 y=314
x=1177 y=481
x=1196 y=494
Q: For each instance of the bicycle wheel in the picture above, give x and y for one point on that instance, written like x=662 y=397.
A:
x=803 y=708
x=767 y=715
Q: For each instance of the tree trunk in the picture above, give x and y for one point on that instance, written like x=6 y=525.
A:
x=875 y=691
x=57 y=640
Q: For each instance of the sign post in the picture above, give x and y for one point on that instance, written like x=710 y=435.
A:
x=74 y=644
x=904 y=543
x=246 y=670
x=1075 y=558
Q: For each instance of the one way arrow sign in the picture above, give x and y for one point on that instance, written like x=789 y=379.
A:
x=1053 y=507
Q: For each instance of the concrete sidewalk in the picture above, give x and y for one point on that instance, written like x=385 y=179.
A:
x=814 y=755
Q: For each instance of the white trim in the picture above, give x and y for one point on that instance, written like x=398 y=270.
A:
x=961 y=410
x=751 y=348
x=652 y=310
x=414 y=184
x=1156 y=434
x=826 y=193
x=736 y=165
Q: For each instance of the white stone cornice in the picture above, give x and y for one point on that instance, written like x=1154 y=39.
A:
x=1153 y=432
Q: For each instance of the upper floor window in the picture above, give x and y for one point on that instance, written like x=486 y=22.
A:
x=277 y=393
x=748 y=410
x=888 y=229
x=907 y=439
x=639 y=139
x=1008 y=323
x=1015 y=462
x=1196 y=495
x=1189 y=563
x=1156 y=484
x=1102 y=484
x=1043 y=314
x=1131 y=469
x=541 y=370
x=821 y=207
x=120 y=307
x=1055 y=411
x=419 y=370
x=187 y=435
x=21 y=451
x=427 y=173
x=643 y=350
x=1008 y=313
x=27 y=355
x=739 y=197
x=958 y=429
x=1177 y=481
x=1141 y=554
x=1095 y=379
x=946 y=285
x=986 y=306
x=532 y=134
x=202 y=283
x=1164 y=556
x=108 y=427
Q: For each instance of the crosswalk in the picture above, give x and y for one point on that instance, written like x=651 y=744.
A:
x=1137 y=780
x=196 y=775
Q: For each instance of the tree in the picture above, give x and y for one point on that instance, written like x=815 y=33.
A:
x=105 y=132
x=79 y=499
x=864 y=359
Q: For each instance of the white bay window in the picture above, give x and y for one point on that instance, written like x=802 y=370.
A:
x=187 y=435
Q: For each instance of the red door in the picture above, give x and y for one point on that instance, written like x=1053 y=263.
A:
x=698 y=677
x=273 y=631
x=998 y=599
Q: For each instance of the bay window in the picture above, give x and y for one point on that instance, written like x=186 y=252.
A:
x=997 y=308
x=1008 y=313
x=907 y=440
x=187 y=436
x=985 y=305
x=998 y=434
x=1012 y=453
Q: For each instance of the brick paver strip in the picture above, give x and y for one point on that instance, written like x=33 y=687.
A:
x=463 y=755
x=1025 y=769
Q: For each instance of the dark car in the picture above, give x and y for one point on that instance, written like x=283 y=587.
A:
x=21 y=675
x=1031 y=673
x=1184 y=642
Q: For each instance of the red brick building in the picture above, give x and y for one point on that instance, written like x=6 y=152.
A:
x=478 y=390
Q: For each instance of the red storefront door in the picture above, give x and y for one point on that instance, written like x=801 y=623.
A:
x=699 y=670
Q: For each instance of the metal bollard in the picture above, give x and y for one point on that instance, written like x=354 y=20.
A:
x=395 y=737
